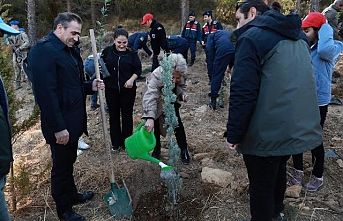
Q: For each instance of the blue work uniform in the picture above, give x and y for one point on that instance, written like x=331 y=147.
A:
x=219 y=54
x=178 y=45
x=139 y=40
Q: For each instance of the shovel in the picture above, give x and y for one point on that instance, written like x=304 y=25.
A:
x=119 y=201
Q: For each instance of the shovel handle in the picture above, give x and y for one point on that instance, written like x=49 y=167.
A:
x=102 y=106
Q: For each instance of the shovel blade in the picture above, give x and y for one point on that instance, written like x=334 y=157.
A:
x=119 y=202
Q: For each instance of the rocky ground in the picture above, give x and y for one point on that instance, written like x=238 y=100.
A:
x=201 y=198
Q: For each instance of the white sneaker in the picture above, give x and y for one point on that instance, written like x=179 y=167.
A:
x=79 y=152
x=82 y=145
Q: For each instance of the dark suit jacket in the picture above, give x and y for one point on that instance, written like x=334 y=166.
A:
x=60 y=89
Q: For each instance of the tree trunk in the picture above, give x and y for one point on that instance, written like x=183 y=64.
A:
x=31 y=21
x=314 y=6
x=117 y=2
x=297 y=7
x=69 y=5
x=184 y=12
x=93 y=14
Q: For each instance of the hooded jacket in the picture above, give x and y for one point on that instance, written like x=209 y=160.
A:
x=273 y=104
x=324 y=56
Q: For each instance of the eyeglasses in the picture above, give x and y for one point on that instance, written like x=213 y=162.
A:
x=121 y=42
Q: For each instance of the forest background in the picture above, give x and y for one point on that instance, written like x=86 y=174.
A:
x=37 y=16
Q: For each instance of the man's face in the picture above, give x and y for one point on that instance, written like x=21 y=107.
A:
x=241 y=20
x=207 y=18
x=70 y=34
x=148 y=23
x=16 y=27
x=191 y=18
x=339 y=5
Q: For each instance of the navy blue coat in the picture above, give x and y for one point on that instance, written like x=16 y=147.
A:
x=177 y=43
x=60 y=90
x=138 y=41
x=219 y=45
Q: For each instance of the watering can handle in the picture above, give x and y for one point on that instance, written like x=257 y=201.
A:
x=140 y=126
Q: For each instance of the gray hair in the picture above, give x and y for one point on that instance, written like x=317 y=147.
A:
x=180 y=63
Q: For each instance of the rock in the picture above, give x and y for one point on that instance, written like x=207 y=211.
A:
x=340 y=163
x=293 y=191
x=202 y=109
x=200 y=156
x=207 y=162
x=216 y=176
x=184 y=175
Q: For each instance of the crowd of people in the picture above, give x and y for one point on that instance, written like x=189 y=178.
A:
x=268 y=120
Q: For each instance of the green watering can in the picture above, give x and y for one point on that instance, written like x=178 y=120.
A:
x=140 y=143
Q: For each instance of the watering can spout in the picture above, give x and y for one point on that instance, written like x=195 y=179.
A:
x=140 y=143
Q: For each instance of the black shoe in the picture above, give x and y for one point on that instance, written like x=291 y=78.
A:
x=115 y=148
x=83 y=197
x=70 y=215
x=156 y=153
x=191 y=63
x=224 y=83
x=185 y=157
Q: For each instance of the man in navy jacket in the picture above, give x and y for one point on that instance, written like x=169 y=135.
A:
x=219 y=55
x=60 y=91
x=139 y=40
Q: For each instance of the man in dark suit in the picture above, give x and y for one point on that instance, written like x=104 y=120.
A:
x=60 y=91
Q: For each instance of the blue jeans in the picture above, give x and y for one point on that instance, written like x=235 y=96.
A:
x=94 y=99
x=4 y=214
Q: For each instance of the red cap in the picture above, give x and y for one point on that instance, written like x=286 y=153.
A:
x=146 y=18
x=313 y=19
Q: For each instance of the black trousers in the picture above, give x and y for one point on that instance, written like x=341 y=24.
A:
x=318 y=153
x=62 y=180
x=120 y=104
x=180 y=133
x=267 y=185
x=155 y=62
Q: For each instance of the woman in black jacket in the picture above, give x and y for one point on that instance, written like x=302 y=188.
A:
x=125 y=67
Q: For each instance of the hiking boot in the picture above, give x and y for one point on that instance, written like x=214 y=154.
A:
x=314 y=183
x=221 y=103
x=297 y=177
x=213 y=103
x=82 y=145
x=185 y=157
